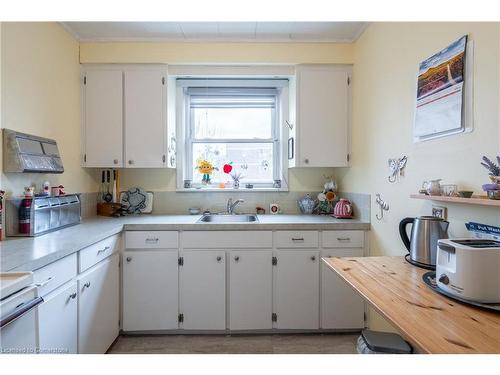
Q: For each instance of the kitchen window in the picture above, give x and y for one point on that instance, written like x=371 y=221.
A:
x=234 y=126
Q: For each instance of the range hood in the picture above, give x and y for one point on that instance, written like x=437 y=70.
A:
x=25 y=153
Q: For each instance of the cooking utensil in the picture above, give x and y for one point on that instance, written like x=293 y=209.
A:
x=103 y=186
x=108 y=197
x=114 y=186
x=425 y=232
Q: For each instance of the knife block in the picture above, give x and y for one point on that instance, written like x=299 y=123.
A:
x=108 y=209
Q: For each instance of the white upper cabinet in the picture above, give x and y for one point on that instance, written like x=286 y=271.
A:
x=321 y=106
x=103 y=118
x=145 y=111
x=125 y=117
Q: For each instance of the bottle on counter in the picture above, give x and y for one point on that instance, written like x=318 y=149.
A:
x=25 y=215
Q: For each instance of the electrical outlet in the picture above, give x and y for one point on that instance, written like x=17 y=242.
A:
x=440 y=212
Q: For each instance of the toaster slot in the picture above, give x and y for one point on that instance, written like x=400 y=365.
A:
x=446 y=257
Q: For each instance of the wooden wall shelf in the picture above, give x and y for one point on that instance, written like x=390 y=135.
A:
x=476 y=199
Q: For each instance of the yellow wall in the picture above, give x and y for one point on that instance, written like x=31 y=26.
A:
x=41 y=95
x=221 y=53
x=386 y=65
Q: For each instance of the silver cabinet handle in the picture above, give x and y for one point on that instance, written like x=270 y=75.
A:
x=131 y=162
x=103 y=250
x=236 y=258
x=152 y=240
x=86 y=285
x=297 y=239
x=219 y=258
x=43 y=283
x=343 y=238
x=115 y=161
x=306 y=161
x=313 y=258
x=72 y=296
x=129 y=259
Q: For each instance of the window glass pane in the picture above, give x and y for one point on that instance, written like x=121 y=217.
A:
x=232 y=122
x=253 y=160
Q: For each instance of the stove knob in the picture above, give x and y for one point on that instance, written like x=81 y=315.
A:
x=444 y=279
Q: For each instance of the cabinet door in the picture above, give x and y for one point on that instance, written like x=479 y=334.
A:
x=250 y=289
x=98 y=307
x=341 y=306
x=103 y=118
x=203 y=290
x=150 y=290
x=297 y=289
x=145 y=119
x=57 y=321
x=323 y=116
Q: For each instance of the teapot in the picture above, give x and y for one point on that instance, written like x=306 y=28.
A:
x=306 y=204
x=432 y=187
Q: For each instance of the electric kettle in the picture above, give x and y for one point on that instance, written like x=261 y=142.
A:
x=422 y=244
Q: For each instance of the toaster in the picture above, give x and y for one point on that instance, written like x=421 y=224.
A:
x=469 y=268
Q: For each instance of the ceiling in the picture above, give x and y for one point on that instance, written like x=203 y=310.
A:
x=217 y=31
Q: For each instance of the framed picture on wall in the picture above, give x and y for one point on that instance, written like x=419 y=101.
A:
x=444 y=98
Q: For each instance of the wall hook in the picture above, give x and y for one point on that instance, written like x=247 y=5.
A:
x=384 y=206
x=396 y=167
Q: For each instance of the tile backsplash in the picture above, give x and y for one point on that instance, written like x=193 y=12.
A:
x=175 y=203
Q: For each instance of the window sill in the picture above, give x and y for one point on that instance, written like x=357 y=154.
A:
x=231 y=190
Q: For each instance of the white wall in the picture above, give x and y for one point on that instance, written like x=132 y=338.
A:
x=385 y=70
x=40 y=94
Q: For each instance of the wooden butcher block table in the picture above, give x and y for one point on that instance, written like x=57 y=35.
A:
x=432 y=323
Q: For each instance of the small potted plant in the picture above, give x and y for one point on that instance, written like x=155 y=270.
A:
x=492 y=189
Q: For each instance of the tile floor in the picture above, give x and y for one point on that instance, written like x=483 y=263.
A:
x=334 y=343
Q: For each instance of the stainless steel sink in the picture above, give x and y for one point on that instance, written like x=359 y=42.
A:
x=244 y=218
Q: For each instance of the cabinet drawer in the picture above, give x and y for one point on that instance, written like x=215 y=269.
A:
x=55 y=274
x=227 y=239
x=151 y=240
x=343 y=238
x=296 y=239
x=95 y=253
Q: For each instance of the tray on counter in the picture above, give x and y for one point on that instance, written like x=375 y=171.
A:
x=430 y=280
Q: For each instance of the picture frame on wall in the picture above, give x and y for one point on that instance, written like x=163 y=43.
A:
x=444 y=92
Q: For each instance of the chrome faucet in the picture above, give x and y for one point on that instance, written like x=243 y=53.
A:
x=231 y=206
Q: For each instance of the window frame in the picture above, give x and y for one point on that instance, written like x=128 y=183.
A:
x=279 y=134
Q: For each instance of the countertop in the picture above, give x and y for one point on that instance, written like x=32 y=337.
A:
x=429 y=321
x=32 y=253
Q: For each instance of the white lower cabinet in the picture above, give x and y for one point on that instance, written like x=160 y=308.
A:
x=296 y=298
x=150 y=290
x=98 y=306
x=202 y=290
x=341 y=306
x=57 y=321
x=250 y=289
